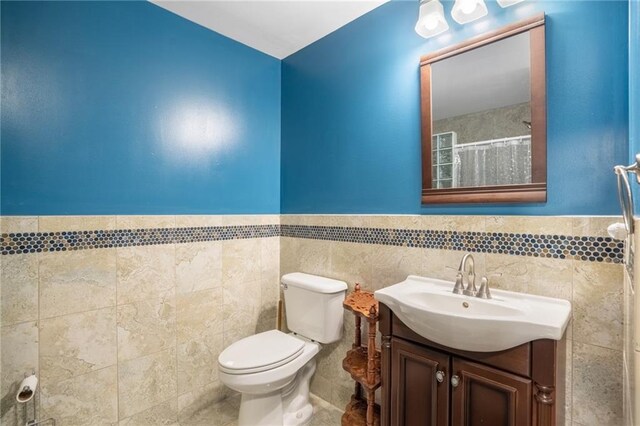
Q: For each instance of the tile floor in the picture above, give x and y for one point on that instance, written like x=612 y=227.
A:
x=225 y=413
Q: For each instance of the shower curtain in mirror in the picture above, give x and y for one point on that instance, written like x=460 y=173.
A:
x=497 y=162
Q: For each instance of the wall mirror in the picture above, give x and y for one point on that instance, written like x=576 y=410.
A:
x=483 y=105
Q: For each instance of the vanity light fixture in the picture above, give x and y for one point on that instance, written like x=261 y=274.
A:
x=431 y=20
x=465 y=11
x=507 y=3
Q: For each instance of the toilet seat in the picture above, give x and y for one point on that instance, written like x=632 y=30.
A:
x=260 y=352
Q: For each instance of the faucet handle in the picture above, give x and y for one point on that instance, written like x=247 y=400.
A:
x=484 y=292
x=458 y=288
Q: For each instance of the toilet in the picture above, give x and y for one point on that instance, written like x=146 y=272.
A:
x=272 y=370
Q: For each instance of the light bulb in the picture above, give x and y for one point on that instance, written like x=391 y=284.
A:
x=468 y=6
x=431 y=22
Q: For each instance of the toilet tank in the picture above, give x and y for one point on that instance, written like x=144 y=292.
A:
x=314 y=306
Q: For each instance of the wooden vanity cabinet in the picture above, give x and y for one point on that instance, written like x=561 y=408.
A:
x=522 y=386
x=418 y=398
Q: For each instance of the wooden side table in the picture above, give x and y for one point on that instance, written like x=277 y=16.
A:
x=363 y=362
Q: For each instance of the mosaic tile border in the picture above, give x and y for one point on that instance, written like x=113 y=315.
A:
x=37 y=242
x=589 y=249
x=585 y=248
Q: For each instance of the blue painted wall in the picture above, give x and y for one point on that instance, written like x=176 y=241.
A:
x=123 y=107
x=351 y=123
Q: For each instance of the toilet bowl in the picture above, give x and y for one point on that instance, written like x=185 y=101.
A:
x=272 y=370
x=274 y=391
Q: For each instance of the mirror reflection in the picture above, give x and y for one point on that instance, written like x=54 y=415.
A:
x=481 y=116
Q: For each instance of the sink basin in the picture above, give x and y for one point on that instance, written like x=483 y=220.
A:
x=431 y=309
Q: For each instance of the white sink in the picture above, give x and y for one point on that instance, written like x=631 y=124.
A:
x=430 y=308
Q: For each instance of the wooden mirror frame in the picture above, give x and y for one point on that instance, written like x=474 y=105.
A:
x=536 y=191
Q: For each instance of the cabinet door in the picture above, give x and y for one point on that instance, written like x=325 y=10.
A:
x=417 y=397
x=485 y=396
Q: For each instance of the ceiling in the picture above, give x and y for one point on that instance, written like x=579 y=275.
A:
x=277 y=28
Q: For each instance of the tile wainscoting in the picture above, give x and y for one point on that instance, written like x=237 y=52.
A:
x=123 y=316
x=594 y=286
x=131 y=334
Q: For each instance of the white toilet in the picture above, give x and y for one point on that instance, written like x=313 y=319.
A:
x=272 y=370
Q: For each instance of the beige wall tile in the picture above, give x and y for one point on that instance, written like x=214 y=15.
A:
x=75 y=223
x=199 y=314
x=146 y=382
x=270 y=277
x=341 y=395
x=313 y=256
x=19 y=356
x=198 y=362
x=241 y=220
x=593 y=226
x=554 y=225
x=597 y=304
x=269 y=296
x=165 y=414
x=76 y=344
x=390 y=265
x=454 y=223
x=396 y=221
x=146 y=272
x=90 y=399
x=191 y=221
x=270 y=255
x=597 y=385
x=291 y=219
x=77 y=281
x=197 y=401
x=241 y=260
x=242 y=303
x=321 y=220
x=321 y=386
x=544 y=277
x=140 y=222
x=234 y=333
x=18 y=224
x=289 y=260
x=269 y=219
x=146 y=327
x=198 y=266
x=19 y=287
x=351 y=263
x=348 y=220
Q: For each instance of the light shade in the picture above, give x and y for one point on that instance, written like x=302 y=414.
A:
x=465 y=11
x=507 y=3
x=431 y=20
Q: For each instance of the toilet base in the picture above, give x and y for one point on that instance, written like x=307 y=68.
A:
x=289 y=406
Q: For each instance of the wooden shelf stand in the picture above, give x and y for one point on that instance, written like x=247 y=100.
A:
x=363 y=362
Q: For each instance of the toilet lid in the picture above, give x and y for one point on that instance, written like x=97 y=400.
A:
x=260 y=352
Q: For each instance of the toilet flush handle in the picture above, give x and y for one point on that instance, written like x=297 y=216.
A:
x=284 y=286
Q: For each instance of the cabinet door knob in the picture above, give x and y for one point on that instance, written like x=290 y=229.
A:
x=440 y=376
x=455 y=381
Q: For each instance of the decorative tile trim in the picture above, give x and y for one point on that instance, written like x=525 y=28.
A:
x=37 y=242
x=590 y=249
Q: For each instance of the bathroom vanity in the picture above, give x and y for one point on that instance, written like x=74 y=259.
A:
x=425 y=383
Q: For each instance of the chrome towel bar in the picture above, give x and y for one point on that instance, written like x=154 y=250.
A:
x=625 y=196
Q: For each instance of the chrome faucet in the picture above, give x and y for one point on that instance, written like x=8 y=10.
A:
x=466 y=275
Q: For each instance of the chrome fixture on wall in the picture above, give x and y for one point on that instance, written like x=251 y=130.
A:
x=432 y=22
x=625 y=196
